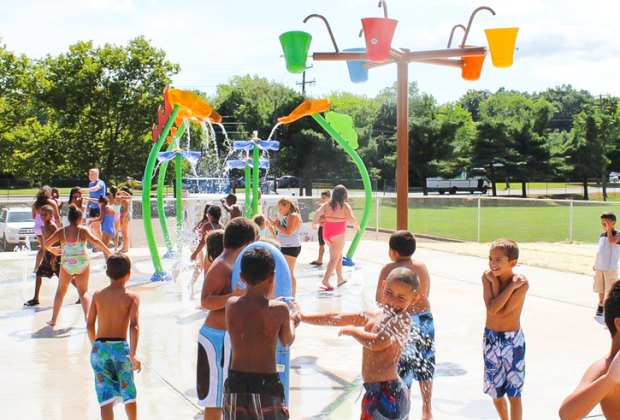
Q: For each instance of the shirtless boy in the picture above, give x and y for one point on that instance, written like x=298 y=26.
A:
x=49 y=266
x=601 y=382
x=504 y=342
x=418 y=357
x=114 y=309
x=255 y=323
x=213 y=339
x=383 y=337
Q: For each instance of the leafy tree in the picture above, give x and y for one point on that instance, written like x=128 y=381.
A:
x=103 y=101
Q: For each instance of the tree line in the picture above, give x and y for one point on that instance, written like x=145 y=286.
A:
x=93 y=106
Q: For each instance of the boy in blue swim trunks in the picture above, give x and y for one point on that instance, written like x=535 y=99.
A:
x=213 y=339
x=383 y=337
x=418 y=358
x=503 y=342
x=112 y=358
x=255 y=322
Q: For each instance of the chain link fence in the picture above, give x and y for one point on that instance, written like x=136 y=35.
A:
x=461 y=217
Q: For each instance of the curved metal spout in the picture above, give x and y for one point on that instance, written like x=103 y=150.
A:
x=384 y=4
x=452 y=33
x=329 y=29
x=471 y=19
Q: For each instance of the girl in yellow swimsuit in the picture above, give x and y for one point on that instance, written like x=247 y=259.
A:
x=74 y=262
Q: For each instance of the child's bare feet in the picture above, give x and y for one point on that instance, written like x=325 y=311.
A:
x=51 y=323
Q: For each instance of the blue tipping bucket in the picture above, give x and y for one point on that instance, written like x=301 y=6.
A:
x=357 y=73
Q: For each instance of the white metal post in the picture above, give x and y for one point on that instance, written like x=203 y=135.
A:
x=478 y=233
x=570 y=222
x=377 y=217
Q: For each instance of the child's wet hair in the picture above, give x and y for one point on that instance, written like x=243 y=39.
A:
x=339 y=197
x=113 y=190
x=287 y=202
x=103 y=200
x=75 y=214
x=259 y=220
x=46 y=209
x=508 y=247
x=326 y=193
x=118 y=266
x=215 y=243
x=239 y=232
x=215 y=212
x=612 y=308
x=231 y=199
x=257 y=264
x=404 y=275
x=608 y=215
x=403 y=243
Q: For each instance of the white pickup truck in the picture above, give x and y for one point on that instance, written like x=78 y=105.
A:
x=461 y=183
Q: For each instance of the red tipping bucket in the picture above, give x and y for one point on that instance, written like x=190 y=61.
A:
x=379 y=33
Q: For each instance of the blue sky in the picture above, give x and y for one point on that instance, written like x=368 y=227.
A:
x=560 y=41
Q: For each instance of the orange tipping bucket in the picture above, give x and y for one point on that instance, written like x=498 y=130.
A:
x=379 y=33
x=502 y=45
x=472 y=66
x=307 y=107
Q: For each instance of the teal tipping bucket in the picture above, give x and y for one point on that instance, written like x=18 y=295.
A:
x=295 y=45
x=357 y=73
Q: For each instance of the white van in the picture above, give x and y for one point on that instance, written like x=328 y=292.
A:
x=463 y=182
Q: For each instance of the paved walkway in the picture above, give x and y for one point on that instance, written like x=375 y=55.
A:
x=46 y=373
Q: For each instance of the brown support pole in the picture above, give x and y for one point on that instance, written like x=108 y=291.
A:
x=402 y=146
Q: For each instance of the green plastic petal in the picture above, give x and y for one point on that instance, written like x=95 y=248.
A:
x=344 y=125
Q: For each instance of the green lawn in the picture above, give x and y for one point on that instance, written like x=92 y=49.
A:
x=539 y=221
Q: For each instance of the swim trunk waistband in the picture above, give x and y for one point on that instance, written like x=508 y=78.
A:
x=109 y=339
x=501 y=334
x=254 y=383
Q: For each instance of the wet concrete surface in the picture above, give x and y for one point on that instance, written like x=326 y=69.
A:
x=46 y=372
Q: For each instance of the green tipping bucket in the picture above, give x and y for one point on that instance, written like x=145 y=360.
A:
x=295 y=45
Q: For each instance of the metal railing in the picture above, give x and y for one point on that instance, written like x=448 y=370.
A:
x=473 y=218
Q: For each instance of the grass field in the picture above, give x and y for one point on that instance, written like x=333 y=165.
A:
x=543 y=221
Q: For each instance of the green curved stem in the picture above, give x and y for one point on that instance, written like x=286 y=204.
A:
x=179 y=202
x=363 y=172
x=161 y=178
x=146 y=190
x=255 y=173
x=248 y=181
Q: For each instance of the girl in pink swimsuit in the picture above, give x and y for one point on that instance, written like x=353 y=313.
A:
x=74 y=262
x=337 y=213
x=43 y=198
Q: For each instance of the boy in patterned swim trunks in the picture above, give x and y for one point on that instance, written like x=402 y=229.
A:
x=112 y=358
x=503 y=342
x=383 y=337
x=255 y=322
x=49 y=266
x=418 y=358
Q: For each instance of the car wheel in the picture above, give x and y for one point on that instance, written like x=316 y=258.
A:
x=484 y=190
x=453 y=190
x=442 y=192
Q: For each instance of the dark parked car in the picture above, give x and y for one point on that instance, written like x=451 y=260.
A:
x=288 y=181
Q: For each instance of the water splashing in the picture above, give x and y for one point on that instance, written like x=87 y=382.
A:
x=273 y=130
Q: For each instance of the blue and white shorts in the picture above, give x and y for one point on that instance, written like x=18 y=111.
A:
x=504 y=363
x=212 y=367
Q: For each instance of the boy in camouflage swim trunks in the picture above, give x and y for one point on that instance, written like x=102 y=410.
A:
x=113 y=359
